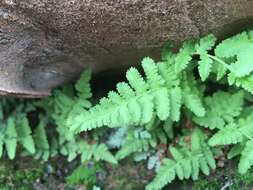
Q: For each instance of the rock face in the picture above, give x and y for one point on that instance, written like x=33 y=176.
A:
x=44 y=43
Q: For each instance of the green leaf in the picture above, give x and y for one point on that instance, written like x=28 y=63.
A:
x=162 y=101
x=221 y=108
x=184 y=56
x=193 y=102
x=83 y=86
x=228 y=135
x=244 y=64
x=236 y=150
x=245 y=82
x=232 y=46
x=192 y=96
x=246 y=160
x=41 y=141
x=176 y=102
x=205 y=44
x=24 y=134
x=165 y=175
x=205 y=66
x=241 y=47
x=233 y=133
x=11 y=138
x=220 y=69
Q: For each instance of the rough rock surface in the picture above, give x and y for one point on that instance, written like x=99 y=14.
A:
x=44 y=43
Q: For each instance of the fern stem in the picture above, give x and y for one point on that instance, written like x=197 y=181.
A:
x=219 y=60
x=246 y=135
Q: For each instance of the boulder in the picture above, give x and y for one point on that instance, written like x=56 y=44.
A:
x=45 y=43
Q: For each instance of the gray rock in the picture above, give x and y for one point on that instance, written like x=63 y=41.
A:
x=45 y=43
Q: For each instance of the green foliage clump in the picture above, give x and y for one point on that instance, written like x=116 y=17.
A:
x=64 y=105
x=12 y=177
x=84 y=174
x=186 y=163
x=42 y=140
x=15 y=128
x=193 y=102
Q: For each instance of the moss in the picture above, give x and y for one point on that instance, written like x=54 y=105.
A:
x=205 y=184
x=232 y=181
x=242 y=181
x=17 y=178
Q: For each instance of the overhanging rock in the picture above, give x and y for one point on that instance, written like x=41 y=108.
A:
x=44 y=43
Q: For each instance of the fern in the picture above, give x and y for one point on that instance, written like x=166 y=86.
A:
x=133 y=103
x=64 y=106
x=237 y=133
x=243 y=82
x=171 y=92
x=186 y=162
x=241 y=47
x=11 y=138
x=136 y=102
x=246 y=160
x=184 y=56
x=84 y=174
x=41 y=142
x=222 y=108
x=192 y=96
x=136 y=141
x=15 y=130
x=97 y=151
x=234 y=132
x=205 y=64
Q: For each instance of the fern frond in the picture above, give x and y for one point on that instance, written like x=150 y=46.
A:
x=136 y=141
x=233 y=133
x=205 y=44
x=245 y=82
x=130 y=105
x=229 y=47
x=204 y=66
x=198 y=144
x=185 y=163
x=41 y=142
x=228 y=135
x=176 y=103
x=96 y=151
x=240 y=46
x=167 y=71
x=166 y=174
x=184 y=56
x=236 y=150
x=192 y=96
x=221 y=108
x=240 y=134
x=25 y=135
x=170 y=169
x=220 y=69
x=246 y=160
x=82 y=86
x=11 y=138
